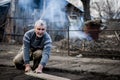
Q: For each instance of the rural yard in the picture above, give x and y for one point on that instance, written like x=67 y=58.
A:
x=85 y=38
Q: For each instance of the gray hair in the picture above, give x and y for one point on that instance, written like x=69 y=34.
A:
x=40 y=23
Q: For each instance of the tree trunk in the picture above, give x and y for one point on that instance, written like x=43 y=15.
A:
x=86 y=5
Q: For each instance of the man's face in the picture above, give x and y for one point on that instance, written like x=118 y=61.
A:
x=40 y=30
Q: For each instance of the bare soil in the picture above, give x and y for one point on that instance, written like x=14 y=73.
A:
x=8 y=72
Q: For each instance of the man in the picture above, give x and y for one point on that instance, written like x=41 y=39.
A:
x=37 y=45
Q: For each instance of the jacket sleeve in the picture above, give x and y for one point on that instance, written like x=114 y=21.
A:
x=26 y=48
x=46 y=51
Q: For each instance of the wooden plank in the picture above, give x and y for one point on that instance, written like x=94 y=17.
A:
x=46 y=76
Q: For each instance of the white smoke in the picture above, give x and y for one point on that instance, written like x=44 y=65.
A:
x=26 y=4
x=54 y=12
x=76 y=33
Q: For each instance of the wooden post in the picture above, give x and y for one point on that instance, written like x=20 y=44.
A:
x=10 y=22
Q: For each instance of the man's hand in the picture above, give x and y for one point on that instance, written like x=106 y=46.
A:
x=27 y=68
x=39 y=69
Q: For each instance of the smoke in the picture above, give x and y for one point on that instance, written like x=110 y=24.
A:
x=54 y=11
x=25 y=9
x=26 y=4
x=76 y=33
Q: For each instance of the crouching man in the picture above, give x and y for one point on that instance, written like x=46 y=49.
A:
x=37 y=45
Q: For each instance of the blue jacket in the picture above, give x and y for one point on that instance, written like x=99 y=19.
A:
x=30 y=42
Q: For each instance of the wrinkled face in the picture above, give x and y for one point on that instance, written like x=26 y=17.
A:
x=40 y=30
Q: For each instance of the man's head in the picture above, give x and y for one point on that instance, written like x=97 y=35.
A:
x=40 y=28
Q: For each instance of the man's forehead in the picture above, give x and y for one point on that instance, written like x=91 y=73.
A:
x=39 y=26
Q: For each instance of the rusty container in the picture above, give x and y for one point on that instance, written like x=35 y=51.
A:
x=92 y=28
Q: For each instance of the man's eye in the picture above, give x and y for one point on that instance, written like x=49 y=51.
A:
x=41 y=29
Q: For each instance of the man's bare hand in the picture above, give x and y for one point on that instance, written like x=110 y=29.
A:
x=27 y=68
x=39 y=69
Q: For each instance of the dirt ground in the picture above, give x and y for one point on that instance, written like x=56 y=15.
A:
x=8 y=72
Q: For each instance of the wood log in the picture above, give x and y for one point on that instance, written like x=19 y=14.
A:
x=45 y=76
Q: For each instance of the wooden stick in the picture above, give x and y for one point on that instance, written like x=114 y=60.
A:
x=45 y=76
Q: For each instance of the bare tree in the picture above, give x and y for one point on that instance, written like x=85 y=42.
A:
x=107 y=9
x=86 y=5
